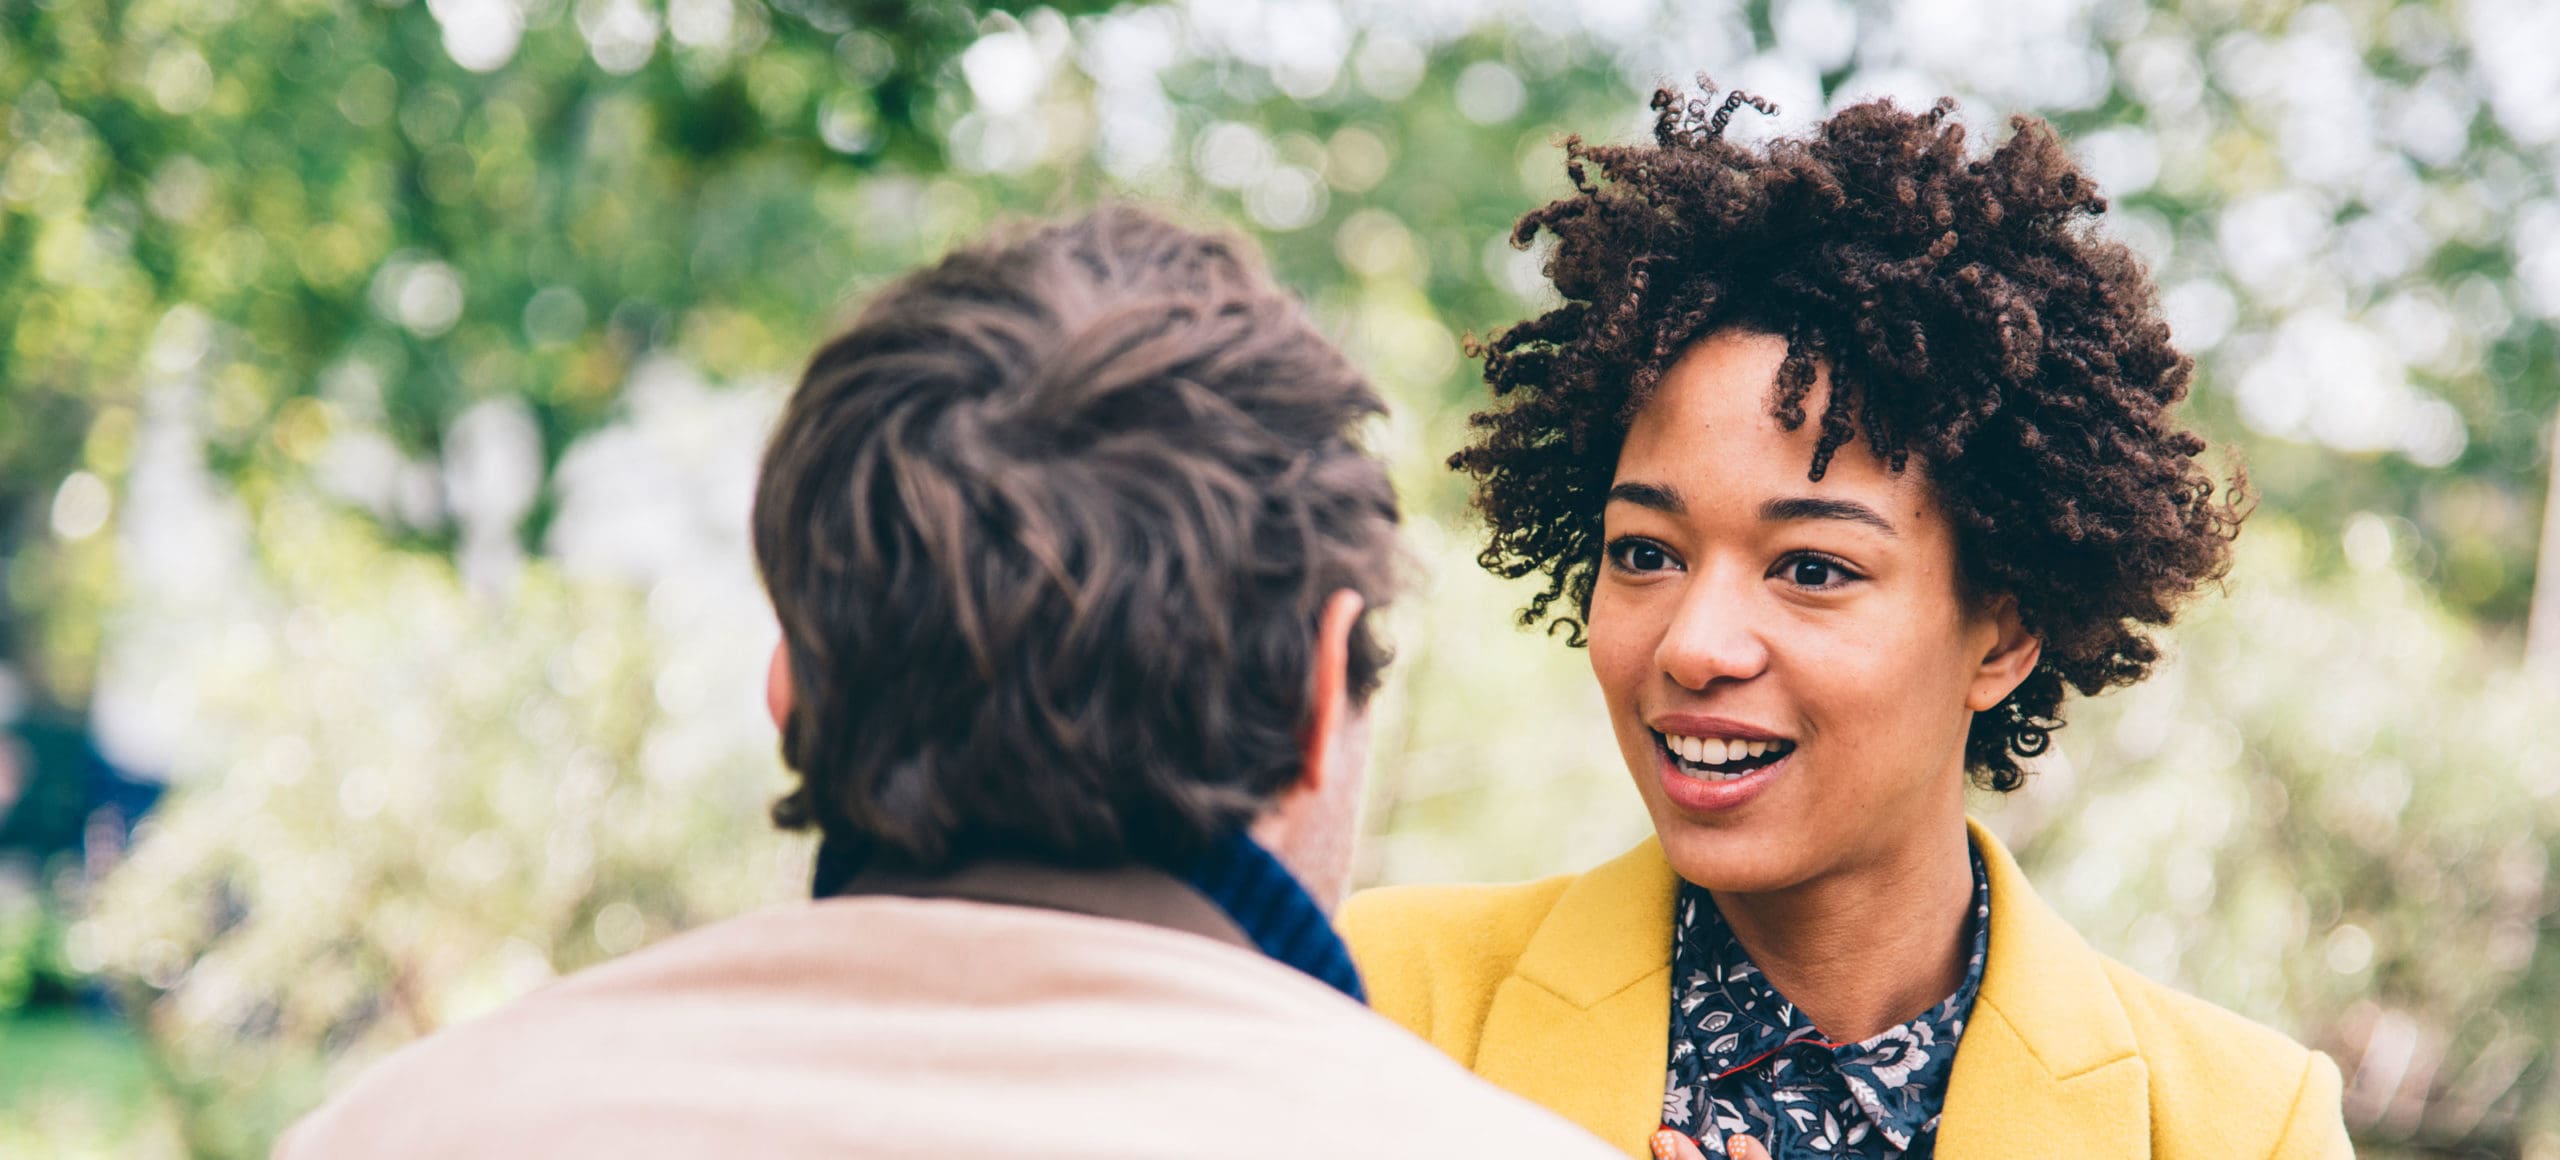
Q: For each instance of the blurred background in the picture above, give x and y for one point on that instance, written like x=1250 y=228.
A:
x=381 y=383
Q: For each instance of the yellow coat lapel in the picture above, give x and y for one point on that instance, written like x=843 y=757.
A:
x=2048 y=1066
x=1583 y=1024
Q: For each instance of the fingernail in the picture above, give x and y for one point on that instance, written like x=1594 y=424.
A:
x=1665 y=1144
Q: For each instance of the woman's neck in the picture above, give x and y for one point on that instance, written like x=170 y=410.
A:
x=1870 y=946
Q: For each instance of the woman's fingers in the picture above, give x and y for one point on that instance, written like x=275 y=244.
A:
x=1670 y=1145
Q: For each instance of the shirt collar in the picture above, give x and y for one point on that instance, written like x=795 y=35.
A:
x=1276 y=912
x=1237 y=893
x=1729 y=1017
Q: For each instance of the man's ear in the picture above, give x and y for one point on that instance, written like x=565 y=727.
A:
x=778 y=696
x=1311 y=823
x=2008 y=660
x=1329 y=692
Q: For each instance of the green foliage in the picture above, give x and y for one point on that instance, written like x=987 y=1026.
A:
x=23 y=944
x=313 y=217
x=411 y=805
x=73 y=1087
x=2336 y=810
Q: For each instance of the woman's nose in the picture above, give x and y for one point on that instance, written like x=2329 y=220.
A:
x=1711 y=637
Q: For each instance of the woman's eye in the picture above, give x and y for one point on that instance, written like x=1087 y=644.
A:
x=1640 y=555
x=1815 y=572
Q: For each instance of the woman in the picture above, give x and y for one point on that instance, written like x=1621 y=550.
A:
x=1846 y=456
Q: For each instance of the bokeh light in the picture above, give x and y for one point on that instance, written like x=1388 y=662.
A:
x=384 y=384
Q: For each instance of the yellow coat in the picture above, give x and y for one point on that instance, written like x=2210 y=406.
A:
x=1560 y=991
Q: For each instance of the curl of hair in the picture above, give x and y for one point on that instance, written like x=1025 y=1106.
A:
x=1970 y=317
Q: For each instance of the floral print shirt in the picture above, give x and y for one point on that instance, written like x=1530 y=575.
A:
x=1745 y=1062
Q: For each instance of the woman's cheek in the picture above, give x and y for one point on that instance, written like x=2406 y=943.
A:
x=1608 y=641
x=1621 y=660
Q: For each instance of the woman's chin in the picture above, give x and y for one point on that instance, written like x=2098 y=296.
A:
x=1726 y=833
x=1730 y=859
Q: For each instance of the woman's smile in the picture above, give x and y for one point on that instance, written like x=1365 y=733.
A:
x=1711 y=765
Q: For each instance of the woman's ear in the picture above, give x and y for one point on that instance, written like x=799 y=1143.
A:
x=2009 y=657
x=778 y=696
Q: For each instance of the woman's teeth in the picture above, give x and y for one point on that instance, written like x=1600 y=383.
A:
x=1723 y=758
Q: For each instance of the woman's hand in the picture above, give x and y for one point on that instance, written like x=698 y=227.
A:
x=1670 y=1145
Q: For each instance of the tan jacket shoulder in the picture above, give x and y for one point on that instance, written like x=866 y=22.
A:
x=881 y=1027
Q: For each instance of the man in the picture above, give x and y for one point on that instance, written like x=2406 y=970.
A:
x=1072 y=549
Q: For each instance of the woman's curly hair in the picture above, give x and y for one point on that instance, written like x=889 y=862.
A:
x=1970 y=318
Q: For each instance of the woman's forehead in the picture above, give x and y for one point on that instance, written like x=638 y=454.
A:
x=1711 y=422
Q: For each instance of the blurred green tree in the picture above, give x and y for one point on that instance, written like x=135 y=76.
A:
x=2369 y=866
x=336 y=218
x=333 y=217
x=427 y=803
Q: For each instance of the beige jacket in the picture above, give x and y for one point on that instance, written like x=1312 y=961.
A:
x=946 y=1027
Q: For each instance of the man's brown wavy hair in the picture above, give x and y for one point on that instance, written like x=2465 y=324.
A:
x=1973 y=320
x=1049 y=530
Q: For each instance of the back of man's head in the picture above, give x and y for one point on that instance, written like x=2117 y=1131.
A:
x=1049 y=531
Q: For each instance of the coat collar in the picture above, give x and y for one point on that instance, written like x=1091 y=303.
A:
x=2047 y=1068
x=1610 y=930
x=1129 y=893
x=1583 y=1025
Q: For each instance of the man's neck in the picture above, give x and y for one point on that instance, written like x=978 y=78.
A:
x=1868 y=947
x=1131 y=893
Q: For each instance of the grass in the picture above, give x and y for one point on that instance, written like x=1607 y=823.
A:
x=74 y=1086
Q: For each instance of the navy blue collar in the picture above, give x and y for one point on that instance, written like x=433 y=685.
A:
x=1257 y=902
x=1276 y=912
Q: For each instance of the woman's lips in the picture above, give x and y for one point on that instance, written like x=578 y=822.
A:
x=1705 y=795
x=1701 y=725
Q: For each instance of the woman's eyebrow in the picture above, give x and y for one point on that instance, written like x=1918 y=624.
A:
x=1649 y=495
x=1805 y=507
